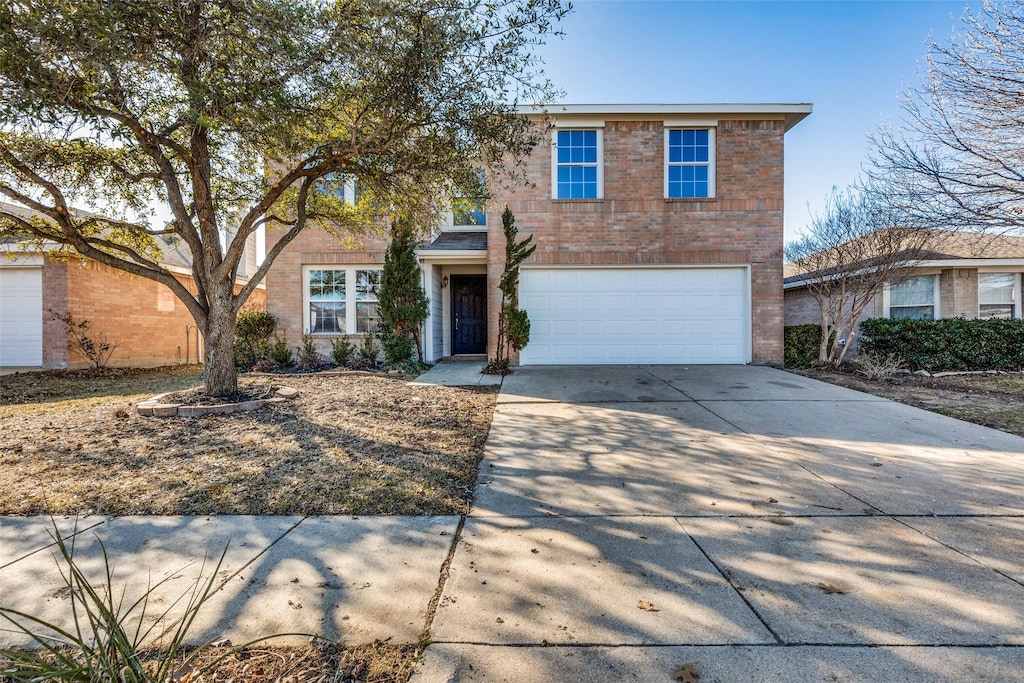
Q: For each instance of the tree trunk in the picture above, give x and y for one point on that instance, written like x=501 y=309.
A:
x=220 y=377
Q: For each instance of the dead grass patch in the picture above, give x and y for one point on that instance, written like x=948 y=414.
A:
x=995 y=401
x=73 y=444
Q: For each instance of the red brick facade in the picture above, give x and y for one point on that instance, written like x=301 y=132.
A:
x=144 y=318
x=633 y=223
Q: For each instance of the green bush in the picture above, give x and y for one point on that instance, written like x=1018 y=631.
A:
x=309 y=358
x=252 y=337
x=280 y=353
x=950 y=344
x=398 y=349
x=802 y=343
x=342 y=351
x=368 y=349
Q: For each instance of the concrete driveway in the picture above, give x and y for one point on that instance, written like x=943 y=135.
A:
x=754 y=524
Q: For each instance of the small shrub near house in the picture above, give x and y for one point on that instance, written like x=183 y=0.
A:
x=801 y=345
x=281 y=354
x=342 y=351
x=309 y=359
x=252 y=338
x=947 y=345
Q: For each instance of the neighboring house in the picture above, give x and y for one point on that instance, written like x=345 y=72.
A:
x=959 y=276
x=658 y=232
x=148 y=323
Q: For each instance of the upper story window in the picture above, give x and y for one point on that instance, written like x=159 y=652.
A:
x=689 y=163
x=913 y=298
x=470 y=212
x=577 y=166
x=997 y=295
x=341 y=186
x=342 y=300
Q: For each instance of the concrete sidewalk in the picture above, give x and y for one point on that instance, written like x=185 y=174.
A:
x=755 y=524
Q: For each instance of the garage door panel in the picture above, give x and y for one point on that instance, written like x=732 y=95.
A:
x=656 y=315
x=21 y=317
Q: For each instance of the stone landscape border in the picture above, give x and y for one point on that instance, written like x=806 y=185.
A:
x=156 y=407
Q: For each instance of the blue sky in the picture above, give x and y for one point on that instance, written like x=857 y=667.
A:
x=850 y=59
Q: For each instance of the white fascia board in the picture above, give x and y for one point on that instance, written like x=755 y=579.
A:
x=464 y=228
x=791 y=113
x=22 y=260
x=460 y=255
x=938 y=264
x=974 y=263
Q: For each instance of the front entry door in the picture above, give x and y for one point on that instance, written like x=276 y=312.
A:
x=469 y=314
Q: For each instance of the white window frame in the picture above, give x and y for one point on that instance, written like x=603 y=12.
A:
x=712 y=154
x=936 y=298
x=1015 y=300
x=351 y=300
x=599 y=129
x=452 y=226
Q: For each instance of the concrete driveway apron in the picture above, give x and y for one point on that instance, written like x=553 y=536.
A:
x=751 y=523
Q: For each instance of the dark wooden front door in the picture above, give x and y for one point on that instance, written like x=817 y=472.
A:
x=469 y=314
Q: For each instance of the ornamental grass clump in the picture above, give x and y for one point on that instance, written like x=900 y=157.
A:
x=113 y=639
x=109 y=639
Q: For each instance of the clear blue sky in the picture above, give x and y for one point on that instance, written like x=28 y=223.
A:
x=850 y=59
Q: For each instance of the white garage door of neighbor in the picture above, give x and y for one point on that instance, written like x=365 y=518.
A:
x=653 y=315
x=21 y=317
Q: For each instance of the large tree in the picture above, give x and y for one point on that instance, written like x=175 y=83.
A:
x=846 y=256
x=236 y=115
x=959 y=162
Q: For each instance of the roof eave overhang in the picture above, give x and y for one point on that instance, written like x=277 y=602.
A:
x=792 y=114
x=460 y=255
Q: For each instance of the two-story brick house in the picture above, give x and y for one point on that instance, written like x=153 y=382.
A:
x=659 y=240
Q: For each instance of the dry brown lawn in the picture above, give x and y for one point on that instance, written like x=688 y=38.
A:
x=72 y=443
x=995 y=401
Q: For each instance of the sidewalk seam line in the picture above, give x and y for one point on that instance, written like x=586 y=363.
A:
x=725 y=576
x=442 y=581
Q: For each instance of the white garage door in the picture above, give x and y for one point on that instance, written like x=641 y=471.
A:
x=21 y=317
x=654 y=315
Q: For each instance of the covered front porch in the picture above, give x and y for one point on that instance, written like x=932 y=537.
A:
x=455 y=279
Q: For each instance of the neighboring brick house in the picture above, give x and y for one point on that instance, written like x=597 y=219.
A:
x=659 y=240
x=148 y=323
x=960 y=275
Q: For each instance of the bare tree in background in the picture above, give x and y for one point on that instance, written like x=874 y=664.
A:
x=845 y=257
x=960 y=163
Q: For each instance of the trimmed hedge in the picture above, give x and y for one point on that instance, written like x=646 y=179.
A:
x=951 y=344
x=801 y=345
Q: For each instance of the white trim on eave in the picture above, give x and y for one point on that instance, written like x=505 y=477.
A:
x=792 y=114
x=986 y=263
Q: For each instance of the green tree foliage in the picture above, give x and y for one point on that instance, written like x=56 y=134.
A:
x=234 y=116
x=513 y=323
x=403 y=303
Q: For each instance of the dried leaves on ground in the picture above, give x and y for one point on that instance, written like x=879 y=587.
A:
x=995 y=401
x=377 y=662
x=72 y=443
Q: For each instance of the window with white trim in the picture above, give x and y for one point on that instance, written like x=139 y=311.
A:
x=997 y=295
x=341 y=300
x=470 y=212
x=913 y=298
x=341 y=186
x=577 y=166
x=689 y=163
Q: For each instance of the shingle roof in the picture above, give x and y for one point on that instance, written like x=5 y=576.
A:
x=945 y=245
x=458 y=241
